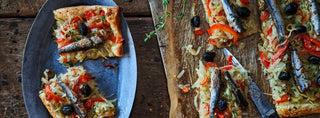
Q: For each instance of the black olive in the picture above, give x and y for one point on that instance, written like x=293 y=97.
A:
x=67 y=110
x=209 y=56
x=314 y=60
x=83 y=29
x=222 y=105
x=284 y=76
x=291 y=8
x=86 y=90
x=195 y=21
x=318 y=81
x=50 y=74
x=300 y=29
x=243 y=12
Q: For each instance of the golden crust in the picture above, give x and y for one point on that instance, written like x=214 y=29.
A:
x=46 y=104
x=289 y=110
x=112 y=15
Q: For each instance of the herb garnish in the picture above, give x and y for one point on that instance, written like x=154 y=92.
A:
x=183 y=7
x=103 y=19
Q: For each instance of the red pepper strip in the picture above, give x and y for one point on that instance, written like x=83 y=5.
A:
x=62 y=54
x=265 y=15
x=318 y=96
x=230 y=60
x=60 y=40
x=65 y=60
x=241 y=84
x=90 y=102
x=307 y=43
x=107 y=65
x=204 y=81
x=226 y=68
x=65 y=44
x=199 y=32
x=269 y=32
x=76 y=19
x=51 y=95
x=102 y=12
x=264 y=60
x=212 y=42
x=73 y=115
x=208 y=8
x=206 y=108
x=82 y=79
x=280 y=51
x=246 y=2
x=103 y=25
x=116 y=39
x=226 y=29
x=222 y=114
x=185 y=90
x=314 y=53
x=61 y=32
x=221 y=13
x=210 y=64
x=283 y=99
x=314 y=83
x=89 y=14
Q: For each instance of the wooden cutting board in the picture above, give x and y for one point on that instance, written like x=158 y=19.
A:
x=174 y=39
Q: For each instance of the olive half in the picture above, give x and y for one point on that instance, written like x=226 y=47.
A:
x=67 y=110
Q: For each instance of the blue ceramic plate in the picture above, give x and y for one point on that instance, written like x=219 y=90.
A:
x=41 y=53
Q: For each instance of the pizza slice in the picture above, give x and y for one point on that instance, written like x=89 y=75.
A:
x=83 y=86
x=229 y=20
x=290 y=70
x=88 y=32
x=218 y=100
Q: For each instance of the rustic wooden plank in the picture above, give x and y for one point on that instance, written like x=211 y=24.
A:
x=151 y=95
x=173 y=40
x=30 y=8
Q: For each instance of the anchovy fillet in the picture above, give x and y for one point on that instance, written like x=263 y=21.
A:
x=315 y=16
x=301 y=79
x=215 y=85
x=82 y=44
x=232 y=18
x=277 y=18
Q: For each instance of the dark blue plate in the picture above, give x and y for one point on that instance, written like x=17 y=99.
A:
x=41 y=53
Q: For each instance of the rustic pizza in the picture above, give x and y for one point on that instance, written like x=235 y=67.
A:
x=88 y=98
x=88 y=32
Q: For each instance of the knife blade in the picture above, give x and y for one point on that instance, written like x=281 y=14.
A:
x=262 y=104
x=72 y=97
x=235 y=89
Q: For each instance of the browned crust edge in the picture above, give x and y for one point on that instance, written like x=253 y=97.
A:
x=112 y=15
x=47 y=105
x=290 y=111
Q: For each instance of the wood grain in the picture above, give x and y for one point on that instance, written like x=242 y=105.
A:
x=151 y=95
x=30 y=8
x=173 y=40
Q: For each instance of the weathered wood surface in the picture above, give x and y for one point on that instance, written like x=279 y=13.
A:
x=30 y=8
x=174 y=39
x=151 y=96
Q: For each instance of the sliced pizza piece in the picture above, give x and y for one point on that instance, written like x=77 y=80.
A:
x=83 y=86
x=88 y=32
x=229 y=20
x=291 y=91
x=224 y=103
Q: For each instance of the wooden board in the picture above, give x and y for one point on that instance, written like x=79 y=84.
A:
x=151 y=99
x=30 y=8
x=177 y=34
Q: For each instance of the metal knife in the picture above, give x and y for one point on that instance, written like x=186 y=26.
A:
x=236 y=89
x=72 y=97
x=259 y=100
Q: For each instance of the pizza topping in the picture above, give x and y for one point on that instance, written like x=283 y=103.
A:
x=291 y=8
x=222 y=105
x=116 y=39
x=230 y=60
x=90 y=102
x=49 y=73
x=284 y=76
x=310 y=43
x=300 y=29
x=51 y=95
x=186 y=90
x=265 y=15
x=208 y=7
x=246 y=2
x=314 y=60
x=86 y=90
x=199 y=32
x=209 y=56
x=225 y=28
x=284 y=98
x=195 y=21
x=210 y=64
x=204 y=81
x=83 y=29
x=67 y=110
x=264 y=60
x=318 y=81
x=89 y=14
x=243 y=12
x=222 y=114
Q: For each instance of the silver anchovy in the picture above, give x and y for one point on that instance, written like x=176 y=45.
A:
x=82 y=44
x=215 y=85
x=236 y=89
x=277 y=18
x=315 y=16
x=301 y=79
x=232 y=18
x=72 y=97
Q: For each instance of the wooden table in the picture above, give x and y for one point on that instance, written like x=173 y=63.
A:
x=16 y=18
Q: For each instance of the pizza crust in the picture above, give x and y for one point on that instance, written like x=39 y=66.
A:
x=289 y=110
x=112 y=16
x=47 y=104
